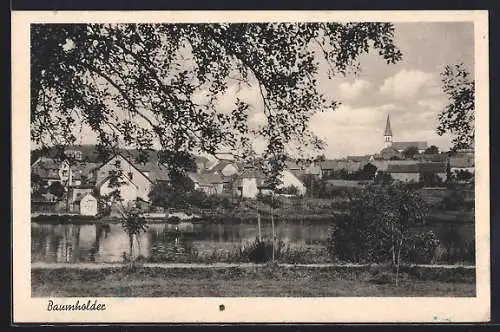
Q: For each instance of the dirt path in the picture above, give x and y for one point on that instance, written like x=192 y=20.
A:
x=42 y=265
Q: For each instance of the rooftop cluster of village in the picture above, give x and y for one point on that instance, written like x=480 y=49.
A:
x=71 y=185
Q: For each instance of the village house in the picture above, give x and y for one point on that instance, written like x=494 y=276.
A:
x=382 y=164
x=314 y=170
x=224 y=168
x=438 y=169
x=296 y=167
x=328 y=167
x=288 y=179
x=249 y=183
x=134 y=183
x=413 y=172
x=388 y=153
x=360 y=159
x=50 y=170
x=463 y=161
x=209 y=183
x=404 y=172
x=402 y=146
x=85 y=205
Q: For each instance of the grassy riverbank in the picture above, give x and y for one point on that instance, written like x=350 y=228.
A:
x=258 y=280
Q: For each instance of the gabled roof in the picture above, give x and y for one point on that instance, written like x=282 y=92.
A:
x=47 y=168
x=328 y=164
x=128 y=161
x=349 y=166
x=206 y=178
x=440 y=157
x=462 y=162
x=298 y=173
x=293 y=164
x=432 y=167
x=104 y=180
x=49 y=163
x=221 y=165
x=313 y=170
x=156 y=172
x=251 y=173
x=80 y=197
x=209 y=178
x=421 y=145
x=83 y=169
x=403 y=168
x=361 y=159
x=417 y=168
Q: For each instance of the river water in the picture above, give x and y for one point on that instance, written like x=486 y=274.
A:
x=107 y=243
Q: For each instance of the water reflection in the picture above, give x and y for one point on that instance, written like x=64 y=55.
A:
x=162 y=242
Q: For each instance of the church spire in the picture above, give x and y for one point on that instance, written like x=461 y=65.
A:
x=388 y=131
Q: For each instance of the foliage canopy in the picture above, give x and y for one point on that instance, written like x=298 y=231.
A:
x=458 y=116
x=142 y=84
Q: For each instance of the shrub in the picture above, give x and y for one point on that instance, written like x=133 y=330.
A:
x=457 y=202
x=421 y=248
x=290 y=190
x=57 y=189
x=261 y=251
x=454 y=248
x=377 y=225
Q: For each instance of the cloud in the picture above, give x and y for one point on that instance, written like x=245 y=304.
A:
x=354 y=130
x=350 y=91
x=432 y=104
x=406 y=83
x=350 y=130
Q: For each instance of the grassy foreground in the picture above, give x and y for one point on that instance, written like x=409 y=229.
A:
x=263 y=281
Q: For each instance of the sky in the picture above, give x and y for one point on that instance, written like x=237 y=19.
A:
x=408 y=91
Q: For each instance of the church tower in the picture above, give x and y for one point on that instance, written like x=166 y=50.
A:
x=388 y=133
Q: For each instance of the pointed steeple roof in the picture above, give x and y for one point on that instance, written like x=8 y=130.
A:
x=388 y=130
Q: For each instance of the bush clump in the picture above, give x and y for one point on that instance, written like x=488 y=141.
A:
x=261 y=250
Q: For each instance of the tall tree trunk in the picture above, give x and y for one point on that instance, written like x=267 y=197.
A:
x=131 y=249
x=259 y=226
x=274 y=235
x=393 y=248
x=398 y=261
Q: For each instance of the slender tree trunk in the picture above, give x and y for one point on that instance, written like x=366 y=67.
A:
x=130 y=248
x=398 y=261
x=274 y=235
x=258 y=225
x=302 y=208
x=393 y=249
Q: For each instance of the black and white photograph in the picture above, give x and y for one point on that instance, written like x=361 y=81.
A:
x=246 y=159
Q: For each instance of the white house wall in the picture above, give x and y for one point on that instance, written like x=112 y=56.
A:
x=140 y=181
x=405 y=177
x=128 y=191
x=88 y=206
x=249 y=188
x=288 y=179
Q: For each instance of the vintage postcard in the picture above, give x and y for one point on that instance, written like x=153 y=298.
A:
x=255 y=166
